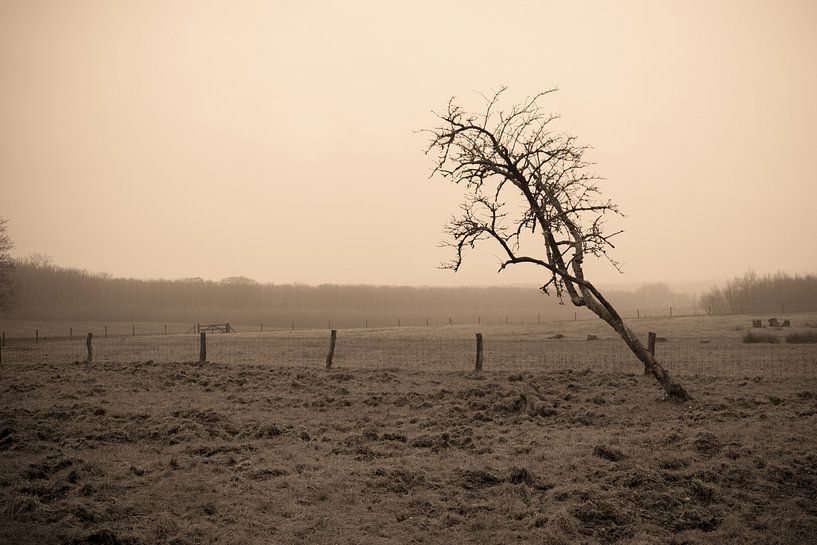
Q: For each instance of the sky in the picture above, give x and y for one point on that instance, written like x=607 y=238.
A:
x=280 y=140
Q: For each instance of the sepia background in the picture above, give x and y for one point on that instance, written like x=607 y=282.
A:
x=229 y=325
x=279 y=140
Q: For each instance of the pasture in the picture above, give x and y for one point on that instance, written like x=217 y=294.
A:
x=402 y=443
x=694 y=345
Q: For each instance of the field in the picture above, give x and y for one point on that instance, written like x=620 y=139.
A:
x=133 y=449
x=696 y=345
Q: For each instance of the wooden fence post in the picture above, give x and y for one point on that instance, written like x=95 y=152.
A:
x=90 y=347
x=398 y=322
x=71 y=333
x=650 y=349
x=227 y=327
x=133 y=330
x=3 y=341
x=261 y=327
x=332 y=338
x=670 y=312
x=36 y=335
x=165 y=329
x=478 y=362
x=637 y=313
x=202 y=347
x=106 y=331
x=292 y=325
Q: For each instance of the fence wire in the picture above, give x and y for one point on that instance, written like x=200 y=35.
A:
x=433 y=351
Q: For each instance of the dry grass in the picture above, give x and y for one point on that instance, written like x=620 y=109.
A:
x=693 y=346
x=760 y=338
x=137 y=453
x=803 y=337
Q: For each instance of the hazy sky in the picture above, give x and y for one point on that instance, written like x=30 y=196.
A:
x=276 y=139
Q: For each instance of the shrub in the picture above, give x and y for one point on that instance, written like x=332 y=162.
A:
x=760 y=338
x=806 y=337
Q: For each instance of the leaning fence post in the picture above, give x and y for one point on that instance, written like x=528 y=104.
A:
x=332 y=338
x=90 y=348
x=478 y=362
x=203 y=347
x=650 y=349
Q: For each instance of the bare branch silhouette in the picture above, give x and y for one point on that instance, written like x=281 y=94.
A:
x=526 y=182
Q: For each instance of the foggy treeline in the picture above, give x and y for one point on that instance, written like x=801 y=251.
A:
x=776 y=293
x=49 y=292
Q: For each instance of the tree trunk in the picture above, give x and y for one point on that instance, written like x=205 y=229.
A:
x=673 y=389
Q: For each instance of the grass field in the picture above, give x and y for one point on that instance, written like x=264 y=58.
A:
x=696 y=345
x=381 y=450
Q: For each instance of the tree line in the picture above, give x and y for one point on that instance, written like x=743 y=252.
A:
x=46 y=291
x=772 y=293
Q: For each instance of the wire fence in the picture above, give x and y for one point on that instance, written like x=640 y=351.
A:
x=436 y=350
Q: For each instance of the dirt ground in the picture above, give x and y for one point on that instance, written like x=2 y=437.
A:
x=138 y=453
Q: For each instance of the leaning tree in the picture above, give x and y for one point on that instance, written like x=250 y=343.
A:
x=529 y=190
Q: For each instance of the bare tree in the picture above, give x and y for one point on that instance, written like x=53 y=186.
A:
x=528 y=189
x=7 y=288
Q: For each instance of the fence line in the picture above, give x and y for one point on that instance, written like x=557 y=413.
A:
x=457 y=350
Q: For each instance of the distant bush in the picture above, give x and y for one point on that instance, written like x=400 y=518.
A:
x=807 y=337
x=753 y=338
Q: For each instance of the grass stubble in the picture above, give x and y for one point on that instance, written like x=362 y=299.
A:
x=182 y=453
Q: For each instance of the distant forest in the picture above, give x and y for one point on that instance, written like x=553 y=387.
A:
x=778 y=293
x=49 y=292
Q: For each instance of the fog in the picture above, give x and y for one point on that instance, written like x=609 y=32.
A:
x=278 y=140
